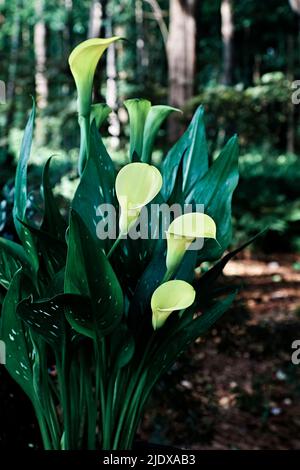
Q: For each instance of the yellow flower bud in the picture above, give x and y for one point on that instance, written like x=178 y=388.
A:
x=169 y=297
x=136 y=185
x=183 y=231
x=83 y=61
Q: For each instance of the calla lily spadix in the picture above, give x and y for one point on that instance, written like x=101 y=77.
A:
x=83 y=61
x=169 y=297
x=136 y=185
x=183 y=231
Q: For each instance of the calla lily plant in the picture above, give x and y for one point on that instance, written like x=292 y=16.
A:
x=112 y=314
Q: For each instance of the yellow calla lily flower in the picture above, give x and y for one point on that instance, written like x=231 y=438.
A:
x=83 y=61
x=136 y=185
x=183 y=231
x=168 y=297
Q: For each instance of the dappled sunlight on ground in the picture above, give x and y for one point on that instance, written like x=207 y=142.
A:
x=238 y=388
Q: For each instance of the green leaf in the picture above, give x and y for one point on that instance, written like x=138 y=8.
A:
x=96 y=187
x=52 y=251
x=138 y=110
x=99 y=113
x=192 y=149
x=14 y=334
x=89 y=273
x=12 y=258
x=215 y=192
x=53 y=223
x=20 y=197
x=121 y=346
x=47 y=317
x=154 y=120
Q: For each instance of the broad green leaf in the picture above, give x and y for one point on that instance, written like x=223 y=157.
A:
x=14 y=334
x=154 y=120
x=121 y=346
x=139 y=308
x=12 y=258
x=53 y=223
x=215 y=191
x=96 y=187
x=191 y=148
x=89 y=273
x=52 y=252
x=138 y=110
x=47 y=317
x=20 y=197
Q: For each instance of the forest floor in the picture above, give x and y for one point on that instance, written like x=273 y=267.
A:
x=237 y=388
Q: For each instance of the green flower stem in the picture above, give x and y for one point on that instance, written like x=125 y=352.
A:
x=168 y=275
x=43 y=427
x=91 y=412
x=100 y=383
x=114 y=246
x=84 y=124
x=134 y=416
x=87 y=405
x=62 y=365
x=131 y=393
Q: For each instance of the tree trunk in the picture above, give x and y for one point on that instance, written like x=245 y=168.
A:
x=181 y=48
x=227 y=29
x=95 y=19
x=41 y=81
x=67 y=32
x=141 y=51
x=290 y=136
x=112 y=91
x=295 y=5
x=11 y=79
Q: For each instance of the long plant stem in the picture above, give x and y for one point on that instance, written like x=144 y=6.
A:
x=84 y=123
x=114 y=246
x=132 y=393
x=43 y=427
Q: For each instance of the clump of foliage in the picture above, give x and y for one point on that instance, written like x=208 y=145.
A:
x=258 y=113
x=111 y=315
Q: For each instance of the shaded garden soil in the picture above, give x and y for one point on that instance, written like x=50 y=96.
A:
x=237 y=388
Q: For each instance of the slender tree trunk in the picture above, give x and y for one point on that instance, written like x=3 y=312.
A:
x=181 y=49
x=290 y=136
x=12 y=71
x=112 y=91
x=67 y=32
x=95 y=19
x=41 y=81
x=141 y=50
x=295 y=5
x=256 y=68
x=13 y=57
x=227 y=29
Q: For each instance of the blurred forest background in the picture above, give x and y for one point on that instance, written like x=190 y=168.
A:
x=239 y=59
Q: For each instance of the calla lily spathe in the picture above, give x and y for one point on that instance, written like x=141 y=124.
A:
x=169 y=297
x=183 y=231
x=83 y=61
x=136 y=185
